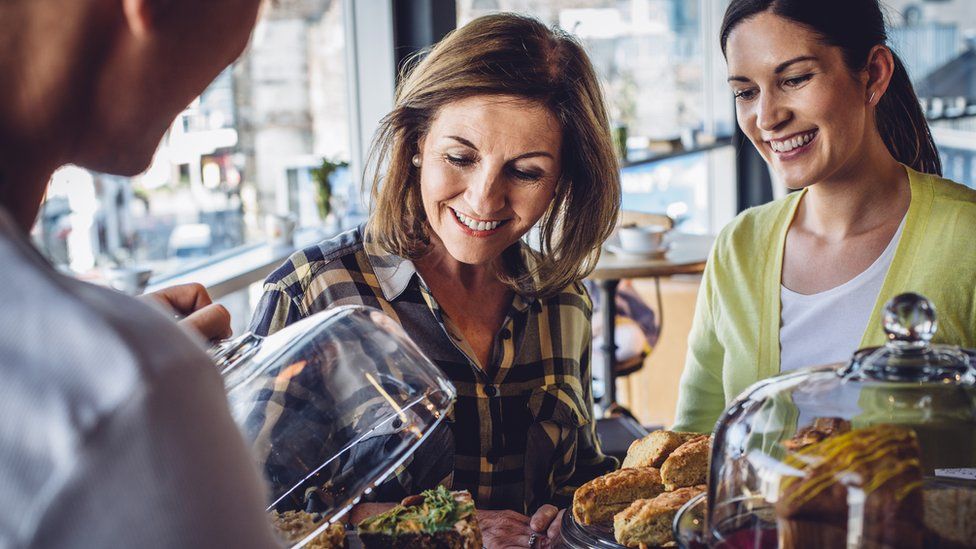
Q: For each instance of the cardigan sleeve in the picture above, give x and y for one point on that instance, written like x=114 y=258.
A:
x=701 y=396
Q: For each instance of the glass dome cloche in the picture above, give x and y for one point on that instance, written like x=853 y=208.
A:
x=331 y=406
x=878 y=452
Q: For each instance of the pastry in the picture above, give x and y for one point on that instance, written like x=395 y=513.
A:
x=948 y=516
x=822 y=428
x=438 y=519
x=688 y=464
x=293 y=526
x=647 y=522
x=652 y=450
x=598 y=500
x=876 y=468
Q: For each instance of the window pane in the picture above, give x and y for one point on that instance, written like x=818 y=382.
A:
x=935 y=39
x=242 y=150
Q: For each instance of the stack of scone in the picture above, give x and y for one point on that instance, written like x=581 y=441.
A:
x=662 y=471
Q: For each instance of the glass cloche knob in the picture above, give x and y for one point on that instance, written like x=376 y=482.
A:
x=909 y=321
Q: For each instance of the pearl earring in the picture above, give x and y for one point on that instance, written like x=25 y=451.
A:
x=416 y=160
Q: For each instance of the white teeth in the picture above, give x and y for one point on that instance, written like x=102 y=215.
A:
x=476 y=225
x=790 y=144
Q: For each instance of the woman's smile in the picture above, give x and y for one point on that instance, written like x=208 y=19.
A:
x=793 y=146
x=479 y=228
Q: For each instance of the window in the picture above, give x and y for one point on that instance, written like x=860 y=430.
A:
x=242 y=150
x=664 y=82
x=937 y=42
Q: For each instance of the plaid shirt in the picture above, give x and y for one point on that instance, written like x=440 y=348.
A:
x=522 y=432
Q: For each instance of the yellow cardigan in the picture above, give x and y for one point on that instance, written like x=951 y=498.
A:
x=734 y=338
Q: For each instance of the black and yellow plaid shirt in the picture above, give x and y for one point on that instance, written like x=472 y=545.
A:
x=522 y=427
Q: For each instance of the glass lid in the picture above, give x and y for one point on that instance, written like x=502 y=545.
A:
x=331 y=406
x=880 y=452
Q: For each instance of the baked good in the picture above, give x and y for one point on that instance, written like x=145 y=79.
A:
x=438 y=519
x=598 y=500
x=653 y=449
x=949 y=516
x=293 y=526
x=822 y=428
x=877 y=469
x=688 y=464
x=647 y=522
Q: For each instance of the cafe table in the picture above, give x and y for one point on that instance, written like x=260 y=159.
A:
x=686 y=254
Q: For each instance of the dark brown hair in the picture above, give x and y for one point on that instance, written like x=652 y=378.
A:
x=856 y=26
x=511 y=55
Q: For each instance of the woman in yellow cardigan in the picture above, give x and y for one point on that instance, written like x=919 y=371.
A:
x=801 y=281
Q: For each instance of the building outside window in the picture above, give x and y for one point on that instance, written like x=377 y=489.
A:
x=937 y=41
x=664 y=81
x=242 y=150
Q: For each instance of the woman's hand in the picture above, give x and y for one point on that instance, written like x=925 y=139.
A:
x=192 y=301
x=508 y=530
x=547 y=522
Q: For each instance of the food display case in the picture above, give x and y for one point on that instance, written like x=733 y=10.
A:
x=331 y=405
x=878 y=452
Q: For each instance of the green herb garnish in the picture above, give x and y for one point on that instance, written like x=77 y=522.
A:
x=439 y=512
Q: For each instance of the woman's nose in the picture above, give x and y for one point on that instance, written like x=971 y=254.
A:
x=486 y=193
x=771 y=113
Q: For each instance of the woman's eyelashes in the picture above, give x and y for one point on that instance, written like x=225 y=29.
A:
x=521 y=174
x=796 y=81
x=793 y=82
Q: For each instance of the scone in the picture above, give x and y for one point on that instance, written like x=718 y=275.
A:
x=598 y=500
x=647 y=522
x=293 y=526
x=688 y=465
x=652 y=450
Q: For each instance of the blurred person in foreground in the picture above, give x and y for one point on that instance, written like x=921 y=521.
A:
x=500 y=128
x=114 y=428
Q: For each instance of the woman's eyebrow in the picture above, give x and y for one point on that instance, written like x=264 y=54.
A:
x=467 y=143
x=462 y=141
x=779 y=68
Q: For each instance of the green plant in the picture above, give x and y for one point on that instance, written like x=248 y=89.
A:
x=322 y=176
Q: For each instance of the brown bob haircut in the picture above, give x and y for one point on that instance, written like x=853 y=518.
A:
x=511 y=55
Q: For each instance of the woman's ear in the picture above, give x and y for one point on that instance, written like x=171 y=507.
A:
x=880 y=68
x=139 y=17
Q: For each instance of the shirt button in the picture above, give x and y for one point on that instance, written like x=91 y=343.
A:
x=506 y=333
x=490 y=390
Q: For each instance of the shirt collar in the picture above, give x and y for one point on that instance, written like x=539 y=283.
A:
x=394 y=273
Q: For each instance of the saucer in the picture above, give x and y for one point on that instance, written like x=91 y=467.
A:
x=637 y=254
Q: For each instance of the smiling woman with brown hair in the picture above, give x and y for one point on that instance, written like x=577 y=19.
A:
x=499 y=129
x=801 y=281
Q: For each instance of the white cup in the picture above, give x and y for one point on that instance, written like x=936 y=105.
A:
x=281 y=229
x=643 y=239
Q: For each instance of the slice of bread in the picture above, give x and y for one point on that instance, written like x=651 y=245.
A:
x=687 y=465
x=652 y=450
x=647 y=522
x=598 y=500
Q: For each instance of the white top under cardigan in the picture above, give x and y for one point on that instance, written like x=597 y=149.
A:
x=827 y=327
